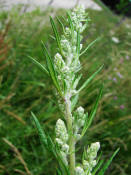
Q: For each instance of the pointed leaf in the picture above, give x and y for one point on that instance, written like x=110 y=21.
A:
x=78 y=43
x=76 y=81
x=56 y=33
x=90 y=79
x=52 y=37
x=39 y=65
x=59 y=172
x=41 y=133
x=92 y=114
x=93 y=42
x=62 y=25
x=51 y=69
x=35 y=83
x=45 y=138
x=98 y=166
x=71 y=24
x=106 y=165
x=74 y=101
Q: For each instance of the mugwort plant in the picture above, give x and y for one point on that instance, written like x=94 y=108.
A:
x=64 y=73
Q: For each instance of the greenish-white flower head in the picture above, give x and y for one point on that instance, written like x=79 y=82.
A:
x=78 y=17
x=61 y=131
x=92 y=150
x=64 y=157
x=65 y=148
x=89 y=163
x=79 y=119
x=80 y=111
x=59 y=62
x=61 y=139
x=86 y=164
x=79 y=171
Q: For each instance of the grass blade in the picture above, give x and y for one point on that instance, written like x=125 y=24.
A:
x=90 y=79
x=106 y=165
x=39 y=65
x=92 y=114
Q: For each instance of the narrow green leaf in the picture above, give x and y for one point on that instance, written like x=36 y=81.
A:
x=92 y=114
x=56 y=33
x=51 y=69
x=52 y=37
x=71 y=24
x=35 y=83
x=93 y=42
x=39 y=65
x=64 y=19
x=106 y=165
x=85 y=125
x=98 y=166
x=74 y=101
x=78 y=44
x=48 y=143
x=62 y=25
x=64 y=86
x=59 y=172
x=41 y=133
x=84 y=155
x=76 y=81
x=90 y=79
x=63 y=167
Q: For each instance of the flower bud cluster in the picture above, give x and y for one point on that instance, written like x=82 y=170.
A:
x=78 y=17
x=79 y=171
x=67 y=62
x=90 y=161
x=62 y=138
x=79 y=120
x=59 y=62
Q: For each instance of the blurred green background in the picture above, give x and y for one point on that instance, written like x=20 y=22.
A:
x=24 y=88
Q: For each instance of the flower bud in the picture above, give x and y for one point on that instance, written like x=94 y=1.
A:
x=64 y=157
x=65 y=148
x=80 y=111
x=59 y=61
x=86 y=164
x=59 y=141
x=79 y=171
x=92 y=151
x=93 y=163
x=95 y=146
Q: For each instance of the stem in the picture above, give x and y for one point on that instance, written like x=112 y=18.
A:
x=68 y=116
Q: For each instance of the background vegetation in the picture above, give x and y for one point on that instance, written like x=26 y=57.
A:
x=24 y=88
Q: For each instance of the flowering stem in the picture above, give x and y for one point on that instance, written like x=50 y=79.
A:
x=68 y=116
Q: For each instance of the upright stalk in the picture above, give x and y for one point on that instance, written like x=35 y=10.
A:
x=64 y=74
x=68 y=116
